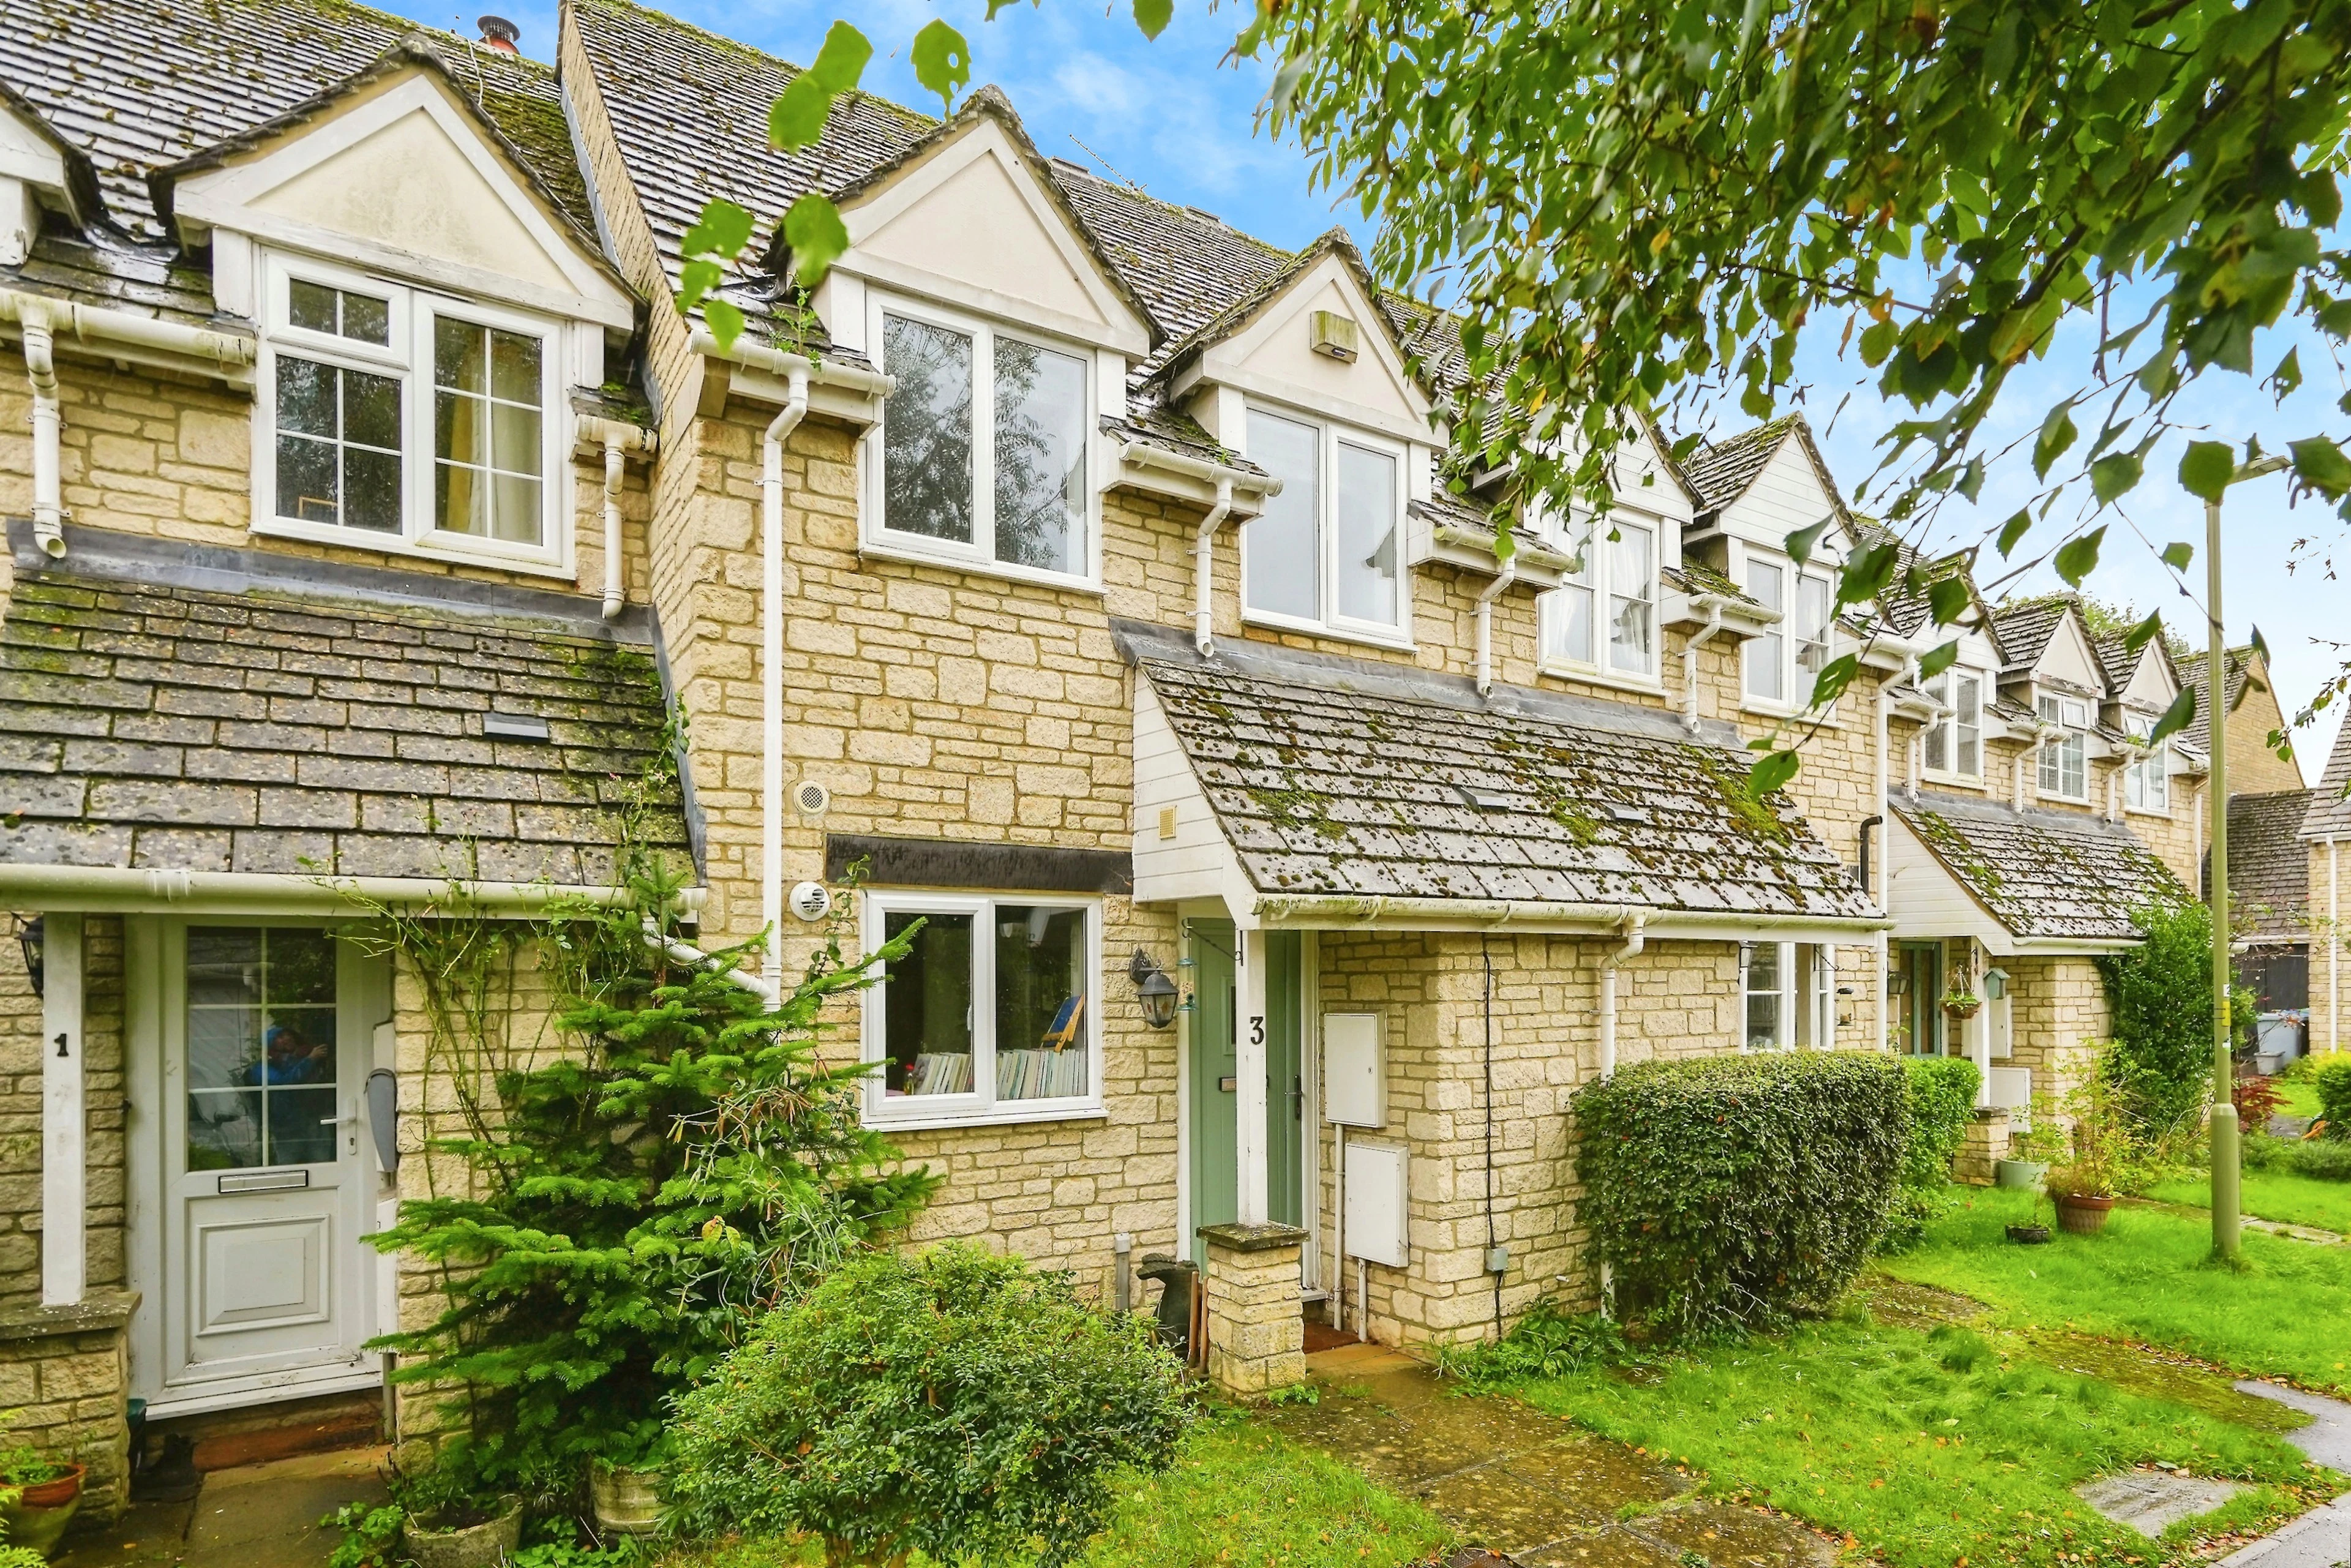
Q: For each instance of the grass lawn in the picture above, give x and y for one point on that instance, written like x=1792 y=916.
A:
x=1929 y=1449
x=2273 y=1195
x=1239 y=1497
x=2148 y=1277
x=2301 y=1097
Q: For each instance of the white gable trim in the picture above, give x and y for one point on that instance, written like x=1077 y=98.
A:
x=226 y=198
x=1118 y=329
x=2068 y=659
x=1196 y=860
x=2151 y=687
x=27 y=153
x=1227 y=363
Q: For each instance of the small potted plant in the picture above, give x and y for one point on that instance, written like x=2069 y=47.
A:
x=626 y=1498
x=2032 y=1152
x=2095 y=1173
x=38 y=1496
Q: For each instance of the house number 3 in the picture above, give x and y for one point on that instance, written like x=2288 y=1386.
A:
x=1257 y=1028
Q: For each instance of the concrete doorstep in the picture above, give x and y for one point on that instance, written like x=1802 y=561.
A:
x=256 y=1516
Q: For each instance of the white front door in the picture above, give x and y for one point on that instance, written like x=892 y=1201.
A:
x=255 y=1284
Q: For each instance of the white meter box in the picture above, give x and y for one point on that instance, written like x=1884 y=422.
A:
x=1355 y=1069
x=1376 y=1194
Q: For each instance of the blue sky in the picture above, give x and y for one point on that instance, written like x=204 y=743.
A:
x=1177 y=118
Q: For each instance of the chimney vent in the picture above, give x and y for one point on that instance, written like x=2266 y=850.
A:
x=500 y=34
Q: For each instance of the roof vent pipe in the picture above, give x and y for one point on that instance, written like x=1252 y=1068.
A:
x=1493 y=590
x=500 y=34
x=40 y=369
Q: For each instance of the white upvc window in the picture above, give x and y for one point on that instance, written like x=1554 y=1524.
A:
x=1326 y=553
x=1788 y=992
x=2147 y=779
x=991 y=1016
x=982 y=456
x=1783 y=662
x=1603 y=615
x=2064 y=767
x=400 y=419
x=1954 y=743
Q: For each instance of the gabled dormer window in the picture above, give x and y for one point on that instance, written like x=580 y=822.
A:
x=403 y=419
x=1324 y=555
x=1954 y=743
x=1783 y=662
x=2064 y=767
x=2147 y=779
x=1603 y=615
x=982 y=455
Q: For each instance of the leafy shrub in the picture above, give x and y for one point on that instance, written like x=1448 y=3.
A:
x=956 y=1403
x=1733 y=1191
x=2257 y=1100
x=2331 y=1079
x=2105 y=1158
x=2161 y=995
x=2320 y=1159
x=1941 y=1095
x=1549 y=1341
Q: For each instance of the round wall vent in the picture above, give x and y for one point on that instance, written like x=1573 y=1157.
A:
x=811 y=799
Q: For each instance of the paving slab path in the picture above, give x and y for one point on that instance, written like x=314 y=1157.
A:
x=1542 y=1491
x=256 y=1516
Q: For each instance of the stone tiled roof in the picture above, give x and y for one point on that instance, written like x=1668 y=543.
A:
x=146 y=723
x=1720 y=473
x=140 y=86
x=1697 y=577
x=2043 y=875
x=1335 y=778
x=2330 y=803
x=2025 y=626
x=2194 y=671
x=2269 y=865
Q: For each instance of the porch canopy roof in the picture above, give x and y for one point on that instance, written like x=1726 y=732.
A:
x=1306 y=790
x=208 y=729
x=2021 y=881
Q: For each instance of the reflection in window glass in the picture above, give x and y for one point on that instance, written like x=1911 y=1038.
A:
x=488 y=465
x=337 y=445
x=315 y=307
x=1367 y=535
x=1284 y=543
x=1040 y=1002
x=2063 y=769
x=1765 y=582
x=260 y=1048
x=1040 y=457
x=1631 y=624
x=1567 y=618
x=926 y=1007
x=927 y=473
x=1811 y=633
x=1763 y=998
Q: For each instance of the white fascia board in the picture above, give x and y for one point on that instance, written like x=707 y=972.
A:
x=1205 y=371
x=221 y=198
x=898 y=278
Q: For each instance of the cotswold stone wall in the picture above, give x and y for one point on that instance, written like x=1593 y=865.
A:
x=21 y=1057
x=2061 y=1017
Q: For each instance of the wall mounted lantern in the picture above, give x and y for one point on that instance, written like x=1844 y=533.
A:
x=1152 y=989
x=29 y=937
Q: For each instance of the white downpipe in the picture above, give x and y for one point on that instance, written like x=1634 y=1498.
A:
x=65 y=1161
x=1690 y=666
x=1204 y=546
x=678 y=952
x=771 y=672
x=40 y=369
x=617 y=439
x=1492 y=591
x=1884 y=859
x=1637 y=937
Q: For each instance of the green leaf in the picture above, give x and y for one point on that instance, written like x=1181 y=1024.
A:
x=1972 y=479
x=2260 y=647
x=1770 y=773
x=724 y=321
x=1152 y=16
x=2320 y=463
x=1801 y=542
x=2176 y=717
x=695 y=280
x=942 y=60
x=1834 y=676
x=2205 y=468
x=2114 y=475
x=842 y=60
x=797 y=117
x=2178 y=555
x=2076 y=559
x=1948 y=600
x=723 y=229
x=2140 y=636
x=1938 y=659
x=1866 y=573
x=2015 y=528
x=816 y=236
x=2057 y=433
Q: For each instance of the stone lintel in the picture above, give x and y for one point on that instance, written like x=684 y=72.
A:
x=102 y=1313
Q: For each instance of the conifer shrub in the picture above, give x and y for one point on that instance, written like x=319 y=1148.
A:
x=2332 y=1080
x=1736 y=1192
x=956 y=1403
x=2160 y=996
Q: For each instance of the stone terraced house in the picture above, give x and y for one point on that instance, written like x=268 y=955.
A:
x=1072 y=567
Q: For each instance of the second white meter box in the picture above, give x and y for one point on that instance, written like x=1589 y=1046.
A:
x=1355 y=1069
x=1379 y=1189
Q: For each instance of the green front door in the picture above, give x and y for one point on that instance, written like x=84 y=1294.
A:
x=1215 y=1132
x=1922 y=998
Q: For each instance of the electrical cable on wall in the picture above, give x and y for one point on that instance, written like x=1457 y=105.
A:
x=1492 y=1240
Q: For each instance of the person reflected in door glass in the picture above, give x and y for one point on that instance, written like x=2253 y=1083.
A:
x=288 y=1058
x=296 y=1121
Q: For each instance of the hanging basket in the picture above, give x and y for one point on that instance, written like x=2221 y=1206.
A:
x=1963 y=1009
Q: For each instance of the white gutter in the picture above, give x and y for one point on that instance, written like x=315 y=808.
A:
x=1690 y=660
x=97 y=888
x=95 y=328
x=678 y=952
x=40 y=369
x=617 y=438
x=783 y=362
x=1143 y=455
x=1203 y=554
x=1635 y=929
x=771 y=673
x=1342 y=911
x=1508 y=575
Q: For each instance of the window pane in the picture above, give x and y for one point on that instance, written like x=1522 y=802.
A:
x=1367 y=535
x=300 y=1123
x=514 y=438
x=1040 y=1002
x=1283 y=544
x=1767 y=654
x=1040 y=457
x=309 y=305
x=367 y=318
x=1763 y=994
x=1631 y=635
x=514 y=368
x=1971 y=719
x=516 y=513
x=926 y=1007
x=261 y=1024
x=1811 y=633
x=460 y=499
x=371 y=410
x=1570 y=621
x=305 y=396
x=1938 y=746
x=926 y=476
x=306 y=480
x=460 y=355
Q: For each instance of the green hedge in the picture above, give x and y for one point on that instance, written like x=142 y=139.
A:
x=2331 y=1079
x=1941 y=1094
x=1735 y=1191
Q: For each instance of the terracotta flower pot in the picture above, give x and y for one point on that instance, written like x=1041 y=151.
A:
x=2084 y=1214
x=39 y=1517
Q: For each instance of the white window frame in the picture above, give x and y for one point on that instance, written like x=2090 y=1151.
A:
x=2050 y=762
x=2147 y=776
x=1806 y=993
x=409 y=360
x=1795 y=682
x=981 y=1106
x=1592 y=550
x=876 y=538
x=1944 y=688
x=1330 y=435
